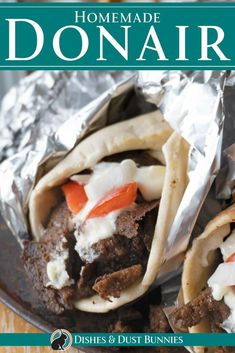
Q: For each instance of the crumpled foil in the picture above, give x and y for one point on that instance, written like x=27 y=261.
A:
x=225 y=181
x=192 y=103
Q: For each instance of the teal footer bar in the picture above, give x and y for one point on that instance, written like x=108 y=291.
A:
x=107 y=340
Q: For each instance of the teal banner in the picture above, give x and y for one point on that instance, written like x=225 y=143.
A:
x=118 y=340
x=117 y=36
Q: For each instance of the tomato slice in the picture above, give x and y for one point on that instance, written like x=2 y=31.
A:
x=116 y=199
x=75 y=196
x=231 y=258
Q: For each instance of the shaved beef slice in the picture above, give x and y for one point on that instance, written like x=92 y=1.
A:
x=60 y=222
x=128 y=222
x=59 y=236
x=114 y=283
x=110 y=250
x=86 y=281
x=35 y=258
x=199 y=308
x=36 y=255
x=118 y=252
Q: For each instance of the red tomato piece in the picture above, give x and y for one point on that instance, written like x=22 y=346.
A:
x=118 y=198
x=75 y=196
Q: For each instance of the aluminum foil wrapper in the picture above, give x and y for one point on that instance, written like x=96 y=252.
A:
x=225 y=181
x=192 y=102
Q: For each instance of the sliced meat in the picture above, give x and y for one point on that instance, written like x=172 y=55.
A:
x=118 y=252
x=114 y=283
x=199 y=308
x=147 y=227
x=157 y=320
x=109 y=250
x=59 y=225
x=35 y=258
x=57 y=238
x=128 y=224
x=86 y=281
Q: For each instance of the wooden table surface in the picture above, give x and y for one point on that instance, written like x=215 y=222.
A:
x=10 y=322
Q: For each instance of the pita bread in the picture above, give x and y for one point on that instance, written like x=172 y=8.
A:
x=202 y=260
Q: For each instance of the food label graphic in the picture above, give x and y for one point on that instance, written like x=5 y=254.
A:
x=61 y=340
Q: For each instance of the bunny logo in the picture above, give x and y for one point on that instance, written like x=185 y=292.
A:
x=61 y=340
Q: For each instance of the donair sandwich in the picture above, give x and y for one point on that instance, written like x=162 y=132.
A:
x=208 y=282
x=100 y=219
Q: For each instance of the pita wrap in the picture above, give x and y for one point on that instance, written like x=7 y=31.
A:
x=146 y=132
x=201 y=262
